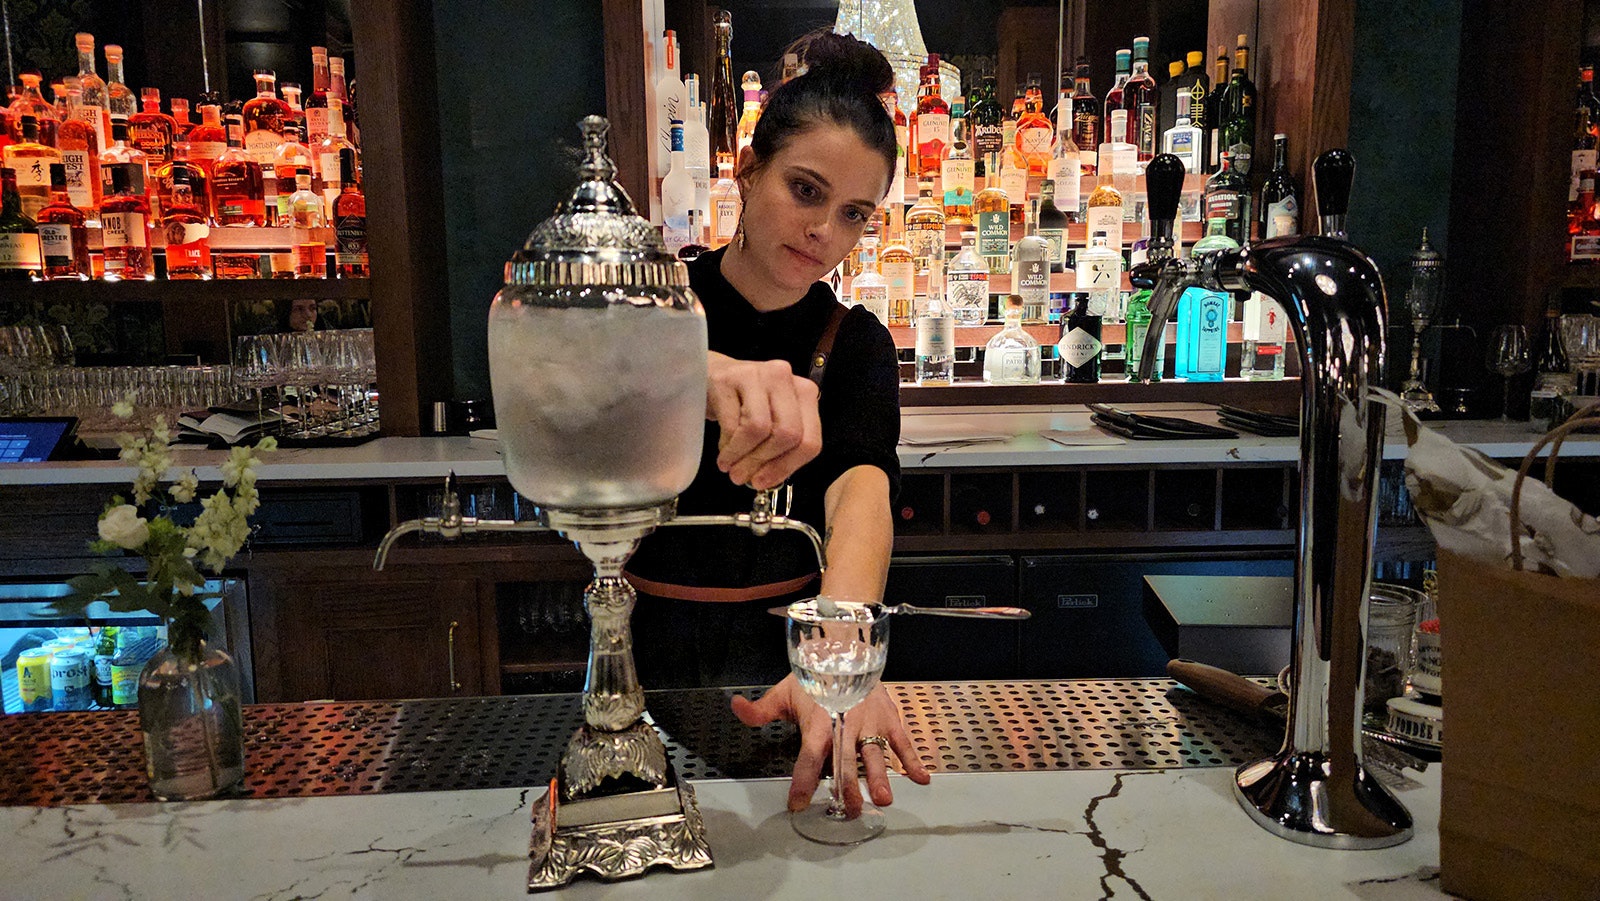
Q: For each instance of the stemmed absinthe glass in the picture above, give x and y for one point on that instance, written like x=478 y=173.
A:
x=1509 y=354
x=837 y=650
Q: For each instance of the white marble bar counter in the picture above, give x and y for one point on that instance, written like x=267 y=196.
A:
x=932 y=437
x=1163 y=835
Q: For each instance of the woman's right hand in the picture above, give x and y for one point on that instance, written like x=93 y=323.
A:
x=768 y=419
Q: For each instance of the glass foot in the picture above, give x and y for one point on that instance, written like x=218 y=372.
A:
x=818 y=824
x=1418 y=398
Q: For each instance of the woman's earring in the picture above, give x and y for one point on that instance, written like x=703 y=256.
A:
x=739 y=233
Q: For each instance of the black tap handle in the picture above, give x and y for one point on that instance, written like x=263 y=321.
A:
x=1163 y=182
x=1333 y=172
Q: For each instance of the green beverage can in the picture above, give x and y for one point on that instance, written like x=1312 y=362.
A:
x=33 y=680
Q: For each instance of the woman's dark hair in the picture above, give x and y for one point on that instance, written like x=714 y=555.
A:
x=842 y=84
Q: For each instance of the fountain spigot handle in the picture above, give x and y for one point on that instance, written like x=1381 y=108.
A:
x=1333 y=174
x=1163 y=180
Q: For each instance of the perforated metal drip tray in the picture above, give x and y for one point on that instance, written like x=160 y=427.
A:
x=305 y=750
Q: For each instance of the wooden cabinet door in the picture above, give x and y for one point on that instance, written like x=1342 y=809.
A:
x=365 y=639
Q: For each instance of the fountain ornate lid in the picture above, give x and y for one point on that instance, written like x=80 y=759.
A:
x=595 y=238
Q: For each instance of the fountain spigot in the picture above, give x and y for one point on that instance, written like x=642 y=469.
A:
x=1333 y=174
x=1166 y=274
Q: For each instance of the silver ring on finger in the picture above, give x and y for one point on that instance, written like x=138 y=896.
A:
x=879 y=740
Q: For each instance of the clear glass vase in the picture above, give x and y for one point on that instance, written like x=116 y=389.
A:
x=189 y=709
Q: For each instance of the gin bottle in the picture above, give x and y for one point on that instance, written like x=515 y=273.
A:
x=925 y=227
x=1080 y=347
x=936 y=333
x=1099 y=274
x=1012 y=356
x=1030 y=270
x=1052 y=226
x=1227 y=198
x=966 y=285
x=1265 y=329
x=1138 y=325
x=1203 y=319
x=867 y=288
x=1183 y=140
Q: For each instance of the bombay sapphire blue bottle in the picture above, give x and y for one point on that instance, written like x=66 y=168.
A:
x=1202 y=345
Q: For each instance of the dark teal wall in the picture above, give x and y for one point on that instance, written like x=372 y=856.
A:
x=1402 y=129
x=514 y=79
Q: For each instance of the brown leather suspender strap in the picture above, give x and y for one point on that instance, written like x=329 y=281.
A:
x=830 y=330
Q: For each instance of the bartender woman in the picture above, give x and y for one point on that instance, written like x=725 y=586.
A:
x=801 y=390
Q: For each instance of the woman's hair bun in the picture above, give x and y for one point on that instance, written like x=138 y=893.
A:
x=843 y=57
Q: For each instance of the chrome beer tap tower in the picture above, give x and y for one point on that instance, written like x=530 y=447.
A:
x=597 y=358
x=1316 y=789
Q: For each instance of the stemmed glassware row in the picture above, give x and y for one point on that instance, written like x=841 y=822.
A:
x=319 y=382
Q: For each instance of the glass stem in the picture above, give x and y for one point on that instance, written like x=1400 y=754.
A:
x=836 y=805
x=1505 y=404
x=1416 y=354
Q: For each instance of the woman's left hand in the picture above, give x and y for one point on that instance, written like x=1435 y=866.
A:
x=876 y=715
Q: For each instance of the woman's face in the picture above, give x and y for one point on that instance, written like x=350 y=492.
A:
x=807 y=206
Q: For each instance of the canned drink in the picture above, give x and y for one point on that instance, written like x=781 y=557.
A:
x=69 y=679
x=33 y=680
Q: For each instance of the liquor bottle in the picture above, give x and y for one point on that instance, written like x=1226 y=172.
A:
x=1012 y=356
x=327 y=174
x=180 y=169
x=150 y=129
x=1266 y=328
x=1008 y=132
x=1114 y=96
x=1014 y=181
x=180 y=119
x=925 y=227
x=1167 y=105
x=338 y=87
x=125 y=215
x=932 y=128
x=105 y=650
x=1553 y=368
x=63 y=238
x=291 y=97
x=1138 y=325
x=1198 y=86
x=1118 y=158
x=986 y=121
x=1216 y=112
x=992 y=210
x=19 y=238
x=1139 y=98
x=121 y=151
x=350 y=222
x=120 y=100
x=750 y=86
x=92 y=88
x=1079 y=346
x=724 y=121
x=1085 y=118
x=31 y=103
x=208 y=140
x=902 y=135
x=1227 y=199
x=30 y=160
x=188 y=233
x=1202 y=343
x=1184 y=139
x=1035 y=137
x=677 y=194
x=966 y=283
x=238 y=195
x=671 y=102
x=724 y=204
x=867 y=288
x=1065 y=171
x=305 y=214
x=899 y=272
x=316 y=106
x=1052 y=226
x=1030 y=270
x=1583 y=148
x=288 y=157
x=697 y=147
x=263 y=119
x=1099 y=273
x=1105 y=213
x=80 y=144
x=697 y=235
x=936 y=333
x=1239 y=115
x=956 y=175
x=1280 y=195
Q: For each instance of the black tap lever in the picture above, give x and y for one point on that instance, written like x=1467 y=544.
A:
x=1332 y=174
x=1163 y=179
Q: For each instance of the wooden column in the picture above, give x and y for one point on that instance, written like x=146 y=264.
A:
x=405 y=208
x=626 y=105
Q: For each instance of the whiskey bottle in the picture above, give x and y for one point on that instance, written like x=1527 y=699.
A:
x=296 y=116
x=92 y=89
x=1080 y=347
x=263 y=119
x=316 y=106
x=188 y=234
x=151 y=130
x=63 y=237
x=1114 y=102
x=1035 y=138
x=305 y=212
x=992 y=210
x=29 y=102
x=1030 y=270
x=899 y=272
x=80 y=153
x=238 y=195
x=902 y=139
x=288 y=158
x=31 y=159
x=925 y=227
x=932 y=126
x=125 y=216
x=1085 y=118
x=1239 y=125
x=180 y=119
x=119 y=99
x=1105 y=210
x=1583 y=148
x=19 y=239
x=180 y=169
x=1012 y=356
x=1052 y=226
x=350 y=222
x=326 y=173
x=956 y=176
x=985 y=121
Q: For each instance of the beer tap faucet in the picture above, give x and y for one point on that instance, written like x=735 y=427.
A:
x=1316 y=789
x=1164 y=272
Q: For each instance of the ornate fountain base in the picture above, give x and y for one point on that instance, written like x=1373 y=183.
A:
x=1295 y=796
x=616 y=836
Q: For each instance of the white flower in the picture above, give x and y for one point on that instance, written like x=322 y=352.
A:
x=124 y=527
x=186 y=487
x=122 y=409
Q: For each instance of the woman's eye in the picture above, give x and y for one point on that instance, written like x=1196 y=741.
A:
x=806 y=191
x=854 y=214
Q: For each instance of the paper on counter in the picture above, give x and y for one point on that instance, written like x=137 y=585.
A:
x=936 y=434
x=1083 y=438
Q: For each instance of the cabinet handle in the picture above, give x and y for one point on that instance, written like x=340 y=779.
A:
x=450 y=644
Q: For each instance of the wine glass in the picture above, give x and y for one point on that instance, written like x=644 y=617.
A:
x=837 y=650
x=1509 y=354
